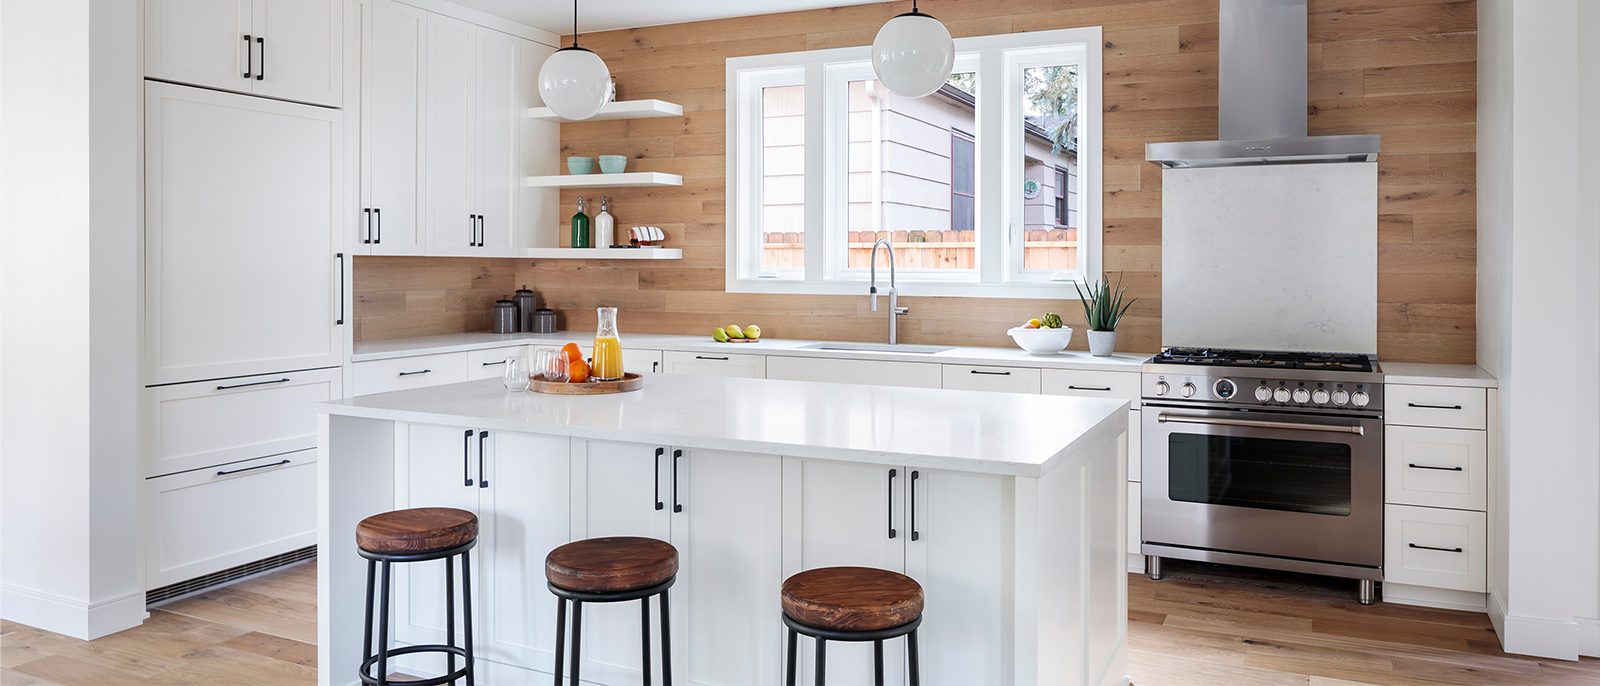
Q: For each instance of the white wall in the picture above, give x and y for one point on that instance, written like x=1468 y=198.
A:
x=1535 y=253
x=69 y=236
x=1587 y=531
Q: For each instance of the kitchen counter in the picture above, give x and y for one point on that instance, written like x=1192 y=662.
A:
x=1464 y=375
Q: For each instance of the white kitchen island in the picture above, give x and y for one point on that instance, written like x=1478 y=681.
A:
x=1007 y=508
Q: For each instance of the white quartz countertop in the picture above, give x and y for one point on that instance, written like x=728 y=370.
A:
x=1001 y=357
x=1467 y=375
x=970 y=431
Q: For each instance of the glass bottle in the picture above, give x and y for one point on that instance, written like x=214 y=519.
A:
x=607 y=365
x=580 y=227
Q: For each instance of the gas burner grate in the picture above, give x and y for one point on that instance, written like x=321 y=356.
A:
x=1265 y=359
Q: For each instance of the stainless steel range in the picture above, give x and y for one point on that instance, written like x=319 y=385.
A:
x=1265 y=459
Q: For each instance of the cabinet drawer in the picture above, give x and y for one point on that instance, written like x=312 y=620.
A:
x=714 y=364
x=870 y=372
x=1123 y=385
x=208 y=520
x=1425 y=546
x=217 y=422
x=1005 y=379
x=491 y=363
x=1441 y=406
x=382 y=376
x=1435 y=467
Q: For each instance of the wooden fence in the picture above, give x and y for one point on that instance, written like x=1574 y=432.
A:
x=1052 y=249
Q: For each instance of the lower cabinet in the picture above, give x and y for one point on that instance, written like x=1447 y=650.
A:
x=1003 y=379
x=402 y=373
x=1435 y=547
x=868 y=372
x=714 y=364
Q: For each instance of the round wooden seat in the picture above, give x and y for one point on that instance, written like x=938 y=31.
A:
x=611 y=565
x=852 y=598
x=416 y=531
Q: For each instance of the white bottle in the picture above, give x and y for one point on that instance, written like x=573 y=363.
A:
x=603 y=235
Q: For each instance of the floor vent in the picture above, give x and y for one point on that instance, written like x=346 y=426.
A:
x=229 y=575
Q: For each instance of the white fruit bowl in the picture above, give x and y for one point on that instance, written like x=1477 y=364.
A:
x=1041 y=341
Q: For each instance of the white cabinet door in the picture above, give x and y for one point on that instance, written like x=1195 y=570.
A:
x=436 y=466
x=616 y=489
x=394 y=40
x=844 y=514
x=201 y=42
x=209 y=423
x=403 y=373
x=714 y=364
x=952 y=550
x=1427 y=546
x=1090 y=384
x=726 y=624
x=451 y=137
x=967 y=377
x=525 y=515
x=540 y=154
x=870 y=372
x=499 y=119
x=1440 y=406
x=299 y=50
x=242 y=196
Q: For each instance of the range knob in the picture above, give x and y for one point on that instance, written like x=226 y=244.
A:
x=1341 y=397
x=1360 y=398
x=1187 y=390
x=1162 y=388
x=1301 y=395
x=1281 y=395
x=1263 y=393
x=1319 y=397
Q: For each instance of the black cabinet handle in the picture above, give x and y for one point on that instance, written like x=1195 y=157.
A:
x=378 y=213
x=340 y=320
x=1088 y=388
x=655 y=366
x=259 y=466
x=472 y=230
x=659 y=452
x=425 y=371
x=491 y=364
x=892 y=474
x=1429 y=547
x=483 y=231
x=915 y=535
x=248 y=56
x=483 y=480
x=261 y=71
x=367 y=234
x=704 y=357
x=979 y=371
x=466 y=457
x=257 y=383
x=1442 y=469
x=1434 y=407
x=676 y=506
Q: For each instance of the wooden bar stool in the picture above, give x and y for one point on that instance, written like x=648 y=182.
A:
x=852 y=604
x=418 y=535
x=612 y=570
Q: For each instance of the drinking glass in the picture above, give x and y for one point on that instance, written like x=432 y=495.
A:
x=516 y=375
x=550 y=365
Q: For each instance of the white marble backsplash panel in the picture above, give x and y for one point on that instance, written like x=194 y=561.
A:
x=1281 y=257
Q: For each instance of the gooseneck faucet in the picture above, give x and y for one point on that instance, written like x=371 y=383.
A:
x=894 y=309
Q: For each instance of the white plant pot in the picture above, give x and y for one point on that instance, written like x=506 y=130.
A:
x=1101 y=343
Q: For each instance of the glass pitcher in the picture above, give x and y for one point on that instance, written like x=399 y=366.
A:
x=607 y=364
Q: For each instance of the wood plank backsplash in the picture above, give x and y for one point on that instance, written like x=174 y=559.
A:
x=1401 y=68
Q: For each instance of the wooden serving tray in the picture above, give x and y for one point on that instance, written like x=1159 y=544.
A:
x=629 y=382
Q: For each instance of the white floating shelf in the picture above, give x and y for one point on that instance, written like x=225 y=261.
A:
x=604 y=253
x=605 y=180
x=622 y=109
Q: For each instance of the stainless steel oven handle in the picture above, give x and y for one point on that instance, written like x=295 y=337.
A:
x=1188 y=419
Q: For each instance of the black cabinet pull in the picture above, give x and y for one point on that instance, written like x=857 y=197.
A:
x=261 y=71
x=257 y=383
x=1442 y=469
x=892 y=474
x=472 y=230
x=425 y=371
x=491 y=364
x=655 y=366
x=248 y=56
x=704 y=357
x=259 y=466
x=915 y=535
x=676 y=506
x=483 y=231
x=1088 y=388
x=979 y=371
x=340 y=320
x=1429 y=547
x=1434 y=407
x=466 y=457
x=366 y=236
x=483 y=480
x=659 y=452
x=378 y=213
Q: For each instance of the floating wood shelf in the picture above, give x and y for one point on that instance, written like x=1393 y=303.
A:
x=604 y=253
x=605 y=180
x=622 y=109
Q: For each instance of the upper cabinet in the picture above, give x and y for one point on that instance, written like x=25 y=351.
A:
x=393 y=51
x=285 y=49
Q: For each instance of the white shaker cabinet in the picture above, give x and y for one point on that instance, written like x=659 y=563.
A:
x=951 y=550
x=714 y=364
x=284 y=49
x=853 y=371
x=394 y=41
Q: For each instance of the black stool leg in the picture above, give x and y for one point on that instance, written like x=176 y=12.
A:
x=561 y=636
x=450 y=614
x=877 y=663
x=822 y=662
x=577 y=639
x=366 y=636
x=666 y=642
x=916 y=670
x=466 y=611
x=383 y=630
x=644 y=638
x=794 y=656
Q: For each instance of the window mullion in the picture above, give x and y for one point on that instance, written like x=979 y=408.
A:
x=993 y=234
x=816 y=214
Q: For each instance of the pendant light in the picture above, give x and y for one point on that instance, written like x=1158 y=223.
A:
x=913 y=54
x=574 y=81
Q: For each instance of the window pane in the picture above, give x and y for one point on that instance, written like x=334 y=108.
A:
x=1050 y=167
x=912 y=175
x=783 y=140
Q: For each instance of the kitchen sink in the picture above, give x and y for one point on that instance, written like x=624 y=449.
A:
x=877 y=348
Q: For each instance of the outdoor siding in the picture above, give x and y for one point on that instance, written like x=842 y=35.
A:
x=1400 y=68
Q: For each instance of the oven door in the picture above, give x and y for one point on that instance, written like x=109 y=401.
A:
x=1298 y=486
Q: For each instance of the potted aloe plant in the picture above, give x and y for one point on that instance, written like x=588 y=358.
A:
x=1102 y=310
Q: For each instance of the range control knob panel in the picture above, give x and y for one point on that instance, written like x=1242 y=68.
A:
x=1263 y=393
x=1302 y=395
x=1187 y=390
x=1162 y=388
x=1319 y=397
x=1341 y=397
x=1360 y=398
x=1281 y=394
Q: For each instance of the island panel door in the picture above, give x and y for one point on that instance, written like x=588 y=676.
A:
x=616 y=490
x=844 y=514
x=958 y=548
x=727 y=526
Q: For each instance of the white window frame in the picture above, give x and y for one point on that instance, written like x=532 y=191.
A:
x=999 y=63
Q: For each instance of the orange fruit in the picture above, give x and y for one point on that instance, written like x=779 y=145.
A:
x=578 y=371
x=572 y=352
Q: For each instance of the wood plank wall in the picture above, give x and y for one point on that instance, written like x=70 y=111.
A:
x=1401 y=68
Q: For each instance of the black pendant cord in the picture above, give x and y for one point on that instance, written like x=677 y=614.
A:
x=575 y=21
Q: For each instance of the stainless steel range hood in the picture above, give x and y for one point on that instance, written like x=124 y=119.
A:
x=1261 y=91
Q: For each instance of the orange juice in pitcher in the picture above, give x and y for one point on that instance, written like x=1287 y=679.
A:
x=607 y=360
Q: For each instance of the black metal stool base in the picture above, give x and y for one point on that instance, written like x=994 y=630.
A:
x=908 y=630
x=372 y=680
x=379 y=656
x=578 y=598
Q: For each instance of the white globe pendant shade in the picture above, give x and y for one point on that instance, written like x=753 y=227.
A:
x=574 y=83
x=913 y=54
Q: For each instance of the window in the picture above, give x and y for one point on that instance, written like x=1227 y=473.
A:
x=976 y=187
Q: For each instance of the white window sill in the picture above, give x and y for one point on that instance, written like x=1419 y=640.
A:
x=1054 y=290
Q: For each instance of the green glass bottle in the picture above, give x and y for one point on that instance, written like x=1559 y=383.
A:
x=580 y=227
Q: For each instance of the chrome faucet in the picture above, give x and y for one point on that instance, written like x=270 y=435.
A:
x=894 y=309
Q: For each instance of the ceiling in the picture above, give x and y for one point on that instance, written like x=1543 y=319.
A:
x=605 y=15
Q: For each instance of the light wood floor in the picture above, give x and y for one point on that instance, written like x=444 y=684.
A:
x=1202 y=625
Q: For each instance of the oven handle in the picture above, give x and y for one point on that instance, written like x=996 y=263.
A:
x=1189 y=419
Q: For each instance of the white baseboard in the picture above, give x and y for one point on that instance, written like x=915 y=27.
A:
x=69 y=617
x=1588 y=637
x=1534 y=636
x=1135 y=563
x=1441 y=598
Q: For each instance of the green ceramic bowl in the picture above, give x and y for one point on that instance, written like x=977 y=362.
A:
x=613 y=164
x=580 y=165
